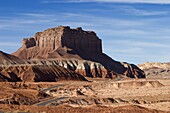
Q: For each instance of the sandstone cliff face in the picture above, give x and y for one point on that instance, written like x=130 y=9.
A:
x=63 y=43
x=37 y=73
x=156 y=69
x=52 y=39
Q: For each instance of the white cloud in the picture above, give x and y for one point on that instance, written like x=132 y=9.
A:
x=129 y=10
x=34 y=14
x=71 y=19
x=22 y=21
x=111 y=1
x=136 y=51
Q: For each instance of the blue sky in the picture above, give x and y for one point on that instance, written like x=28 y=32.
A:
x=134 y=31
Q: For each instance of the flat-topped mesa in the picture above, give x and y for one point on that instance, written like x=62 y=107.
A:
x=64 y=36
x=63 y=43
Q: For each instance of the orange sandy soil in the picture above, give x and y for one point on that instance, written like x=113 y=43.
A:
x=68 y=109
x=141 y=96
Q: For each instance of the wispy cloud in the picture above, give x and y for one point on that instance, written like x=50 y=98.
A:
x=34 y=14
x=138 y=43
x=25 y=20
x=129 y=10
x=111 y=1
x=104 y=26
x=137 y=51
x=72 y=19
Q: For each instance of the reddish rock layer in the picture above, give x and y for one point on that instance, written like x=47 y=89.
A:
x=44 y=43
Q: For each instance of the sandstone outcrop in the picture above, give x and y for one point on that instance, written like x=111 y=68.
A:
x=37 y=73
x=63 y=43
x=43 y=43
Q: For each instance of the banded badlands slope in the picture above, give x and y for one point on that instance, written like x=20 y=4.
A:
x=76 y=50
x=37 y=73
x=13 y=69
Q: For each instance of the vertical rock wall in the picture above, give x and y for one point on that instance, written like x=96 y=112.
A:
x=77 y=39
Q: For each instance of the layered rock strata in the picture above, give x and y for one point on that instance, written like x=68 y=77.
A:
x=83 y=67
x=43 y=43
x=37 y=73
x=63 y=43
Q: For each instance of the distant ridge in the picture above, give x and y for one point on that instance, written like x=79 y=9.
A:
x=156 y=69
x=7 y=59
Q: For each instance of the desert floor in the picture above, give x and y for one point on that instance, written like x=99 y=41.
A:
x=100 y=96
